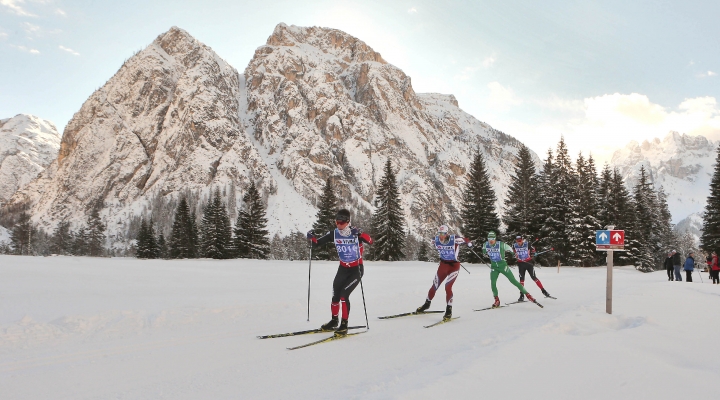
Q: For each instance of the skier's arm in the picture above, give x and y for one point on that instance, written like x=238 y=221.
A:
x=364 y=237
x=327 y=238
x=507 y=247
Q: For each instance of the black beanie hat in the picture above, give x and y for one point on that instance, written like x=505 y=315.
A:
x=343 y=215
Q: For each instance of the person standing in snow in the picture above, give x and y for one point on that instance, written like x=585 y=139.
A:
x=715 y=269
x=495 y=250
x=676 y=265
x=669 y=265
x=349 y=244
x=689 y=266
x=524 y=253
x=448 y=247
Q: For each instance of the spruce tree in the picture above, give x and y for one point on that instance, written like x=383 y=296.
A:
x=95 y=234
x=388 y=220
x=583 y=221
x=162 y=246
x=522 y=203
x=622 y=216
x=216 y=233
x=251 y=235
x=145 y=242
x=61 y=241
x=710 y=237
x=478 y=206
x=641 y=235
x=21 y=235
x=325 y=222
x=560 y=190
x=423 y=252
x=182 y=243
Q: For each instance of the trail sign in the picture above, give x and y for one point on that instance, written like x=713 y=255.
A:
x=609 y=240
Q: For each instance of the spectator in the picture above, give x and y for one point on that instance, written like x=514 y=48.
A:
x=689 y=266
x=676 y=265
x=669 y=265
x=715 y=269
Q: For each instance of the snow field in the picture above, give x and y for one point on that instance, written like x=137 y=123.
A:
x=76 y=328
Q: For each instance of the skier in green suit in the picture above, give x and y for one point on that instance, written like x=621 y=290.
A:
x=495 y=250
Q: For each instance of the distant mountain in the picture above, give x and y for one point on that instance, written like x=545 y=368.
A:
x=28 y=144
x=683 y=165
x=313 y=103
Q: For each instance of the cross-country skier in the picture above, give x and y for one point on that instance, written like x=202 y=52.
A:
x=448 y=246
x=495 y=250
x=349 y=244
x=524 y=254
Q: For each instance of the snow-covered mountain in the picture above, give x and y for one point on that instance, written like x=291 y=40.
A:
x=681 y=164
x=313 y=103
x=28 y=144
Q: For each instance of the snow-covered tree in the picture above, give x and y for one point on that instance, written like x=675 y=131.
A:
x=522 y=204
x=388 y=221
x=216 y=233
x=251 y=234
x=183 y=237
x=325 y=222
x=478 y=206
x=710 y=238
x=61 y=240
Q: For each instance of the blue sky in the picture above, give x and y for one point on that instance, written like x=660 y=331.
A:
x=600 y=73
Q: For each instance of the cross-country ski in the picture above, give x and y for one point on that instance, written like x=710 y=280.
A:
x=411 y=313
x=442 y=321
x=307 y=332
x=326 y=340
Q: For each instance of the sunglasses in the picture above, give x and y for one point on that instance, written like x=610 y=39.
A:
x=339 y=222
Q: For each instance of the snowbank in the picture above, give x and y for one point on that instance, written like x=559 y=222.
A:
x=74 y=328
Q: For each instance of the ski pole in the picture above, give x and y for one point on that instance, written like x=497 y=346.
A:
x=478 y=256
x=544 y=251
x=309 y=270
x=465 y=268
x=701 y=281
x=362 y=290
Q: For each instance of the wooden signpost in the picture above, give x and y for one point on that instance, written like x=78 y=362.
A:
x=609 y=240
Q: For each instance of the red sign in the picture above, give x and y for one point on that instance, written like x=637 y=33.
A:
x=617 y=237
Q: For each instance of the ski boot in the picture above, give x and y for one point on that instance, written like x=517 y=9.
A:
x=496 y=304
x=530 y=298
x=342 y=329
x=545 y=292
x=330 y=326
x=522 y=297
x=448 y=314
x=423 y=307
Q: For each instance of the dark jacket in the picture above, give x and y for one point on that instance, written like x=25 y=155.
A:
x=669 y=262
x=676 y=259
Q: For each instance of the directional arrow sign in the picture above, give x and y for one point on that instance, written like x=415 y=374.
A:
x=617 y=237
x=602 y=237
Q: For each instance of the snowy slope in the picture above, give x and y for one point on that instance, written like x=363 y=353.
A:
x=76 y=328
x=681 y=164
x=28 y=144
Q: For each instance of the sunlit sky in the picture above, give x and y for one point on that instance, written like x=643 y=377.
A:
x=601 y=73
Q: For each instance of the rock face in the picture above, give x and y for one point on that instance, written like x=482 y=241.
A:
x=681 y=164
x=324 y=104
x=313 y=103
x=28 y=144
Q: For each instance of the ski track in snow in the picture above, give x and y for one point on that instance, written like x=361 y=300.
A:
x=126 y=328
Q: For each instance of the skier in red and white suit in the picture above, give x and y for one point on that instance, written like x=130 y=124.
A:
x=448 y=246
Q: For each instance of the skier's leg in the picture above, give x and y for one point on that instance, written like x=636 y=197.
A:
x=351 y=282
x=440 y=276
x=522 y=267
x=508 y=274
x=531 y=270
x=340 y=277
x=493 y=281
x=454 y=271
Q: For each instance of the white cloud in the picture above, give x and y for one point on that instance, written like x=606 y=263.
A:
x=412 y=11
x=61 y=12
x=31 y=28
x=26 y=49
x=3 y=35
x=488 y=61
x=710 y=73
x=71 y=51
x=14 y=7
x=501 y=97
x=469 y=72
x=706 y=74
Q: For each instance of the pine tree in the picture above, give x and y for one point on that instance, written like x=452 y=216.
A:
x=251 y=234
x=183 y=237
x=95 y=234
x=604 y=202
x=162 y=246
x=145 y=242
x=710 y=238
x=478 y=206
x=622 y=215
x=61 y=241
x=423 y=252
x=325 y=222
x=79 y=242
x=388 y=220
x=216 y=233
x=642 y=232
x=21 y=235
x=582 y=209
x=560 y=190
x=522 y=204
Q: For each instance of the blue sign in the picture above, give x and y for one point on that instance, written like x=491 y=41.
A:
x=602 y=237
